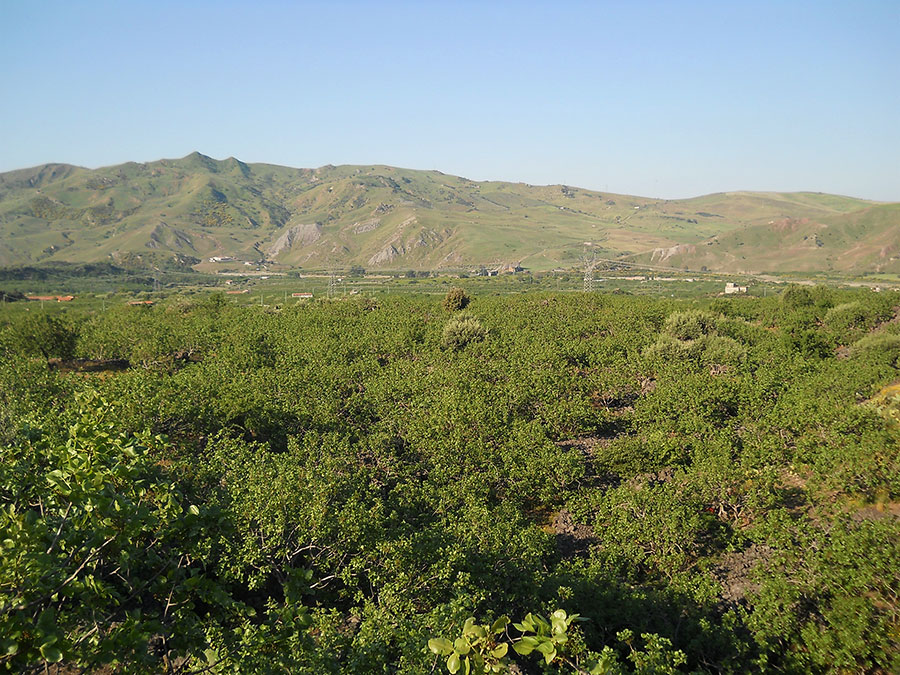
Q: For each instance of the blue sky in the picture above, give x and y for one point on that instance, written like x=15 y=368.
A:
x=665 y=99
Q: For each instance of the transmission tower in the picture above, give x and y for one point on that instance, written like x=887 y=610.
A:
x=332 y=283
x=589 y=261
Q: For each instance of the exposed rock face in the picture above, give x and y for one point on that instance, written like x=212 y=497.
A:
x=366 y=226
x=424 y=238
x=662 y=254
x=387 y=254
x=427 y=238
x=163 y=235
x=296 y=235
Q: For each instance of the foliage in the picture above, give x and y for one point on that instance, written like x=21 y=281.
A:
x=455 y=300
x=713 y=482
x=881 y=348
x=43 y=335
x=103 y=558
x=690 y=324
x=461 y=330
x=484 y=648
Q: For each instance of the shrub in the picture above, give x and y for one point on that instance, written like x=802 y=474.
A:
x=720 y=350
x=882 y=349
x=795 y=297
x=667 y=349
x=849 y=319
x=455 y=300
x=461 y=330
x=690 y=324
x=45 y=336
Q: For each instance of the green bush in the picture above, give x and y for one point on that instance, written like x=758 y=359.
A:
x=455 y=300
x=720 y=350
x=461 y=330
x=881 y=349
x=690 y=324
x=849 y=320
x=795 y=297
x=43 y=335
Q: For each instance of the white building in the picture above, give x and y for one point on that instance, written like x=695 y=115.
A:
x=731 y=287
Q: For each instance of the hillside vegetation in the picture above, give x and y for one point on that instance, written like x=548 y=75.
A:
x=178 y=213
x=337 y=487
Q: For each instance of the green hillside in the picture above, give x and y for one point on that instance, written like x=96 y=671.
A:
x=866 y=239
x=184 y=212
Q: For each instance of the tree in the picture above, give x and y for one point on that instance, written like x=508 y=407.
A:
x=455 y=300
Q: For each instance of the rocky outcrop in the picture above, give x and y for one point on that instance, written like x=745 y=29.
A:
x=164 y=236
x=663 y=254
x=387 y=254
x=296 y=235
x=366 y=226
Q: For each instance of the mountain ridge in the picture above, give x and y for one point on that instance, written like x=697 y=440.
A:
x=191 y=210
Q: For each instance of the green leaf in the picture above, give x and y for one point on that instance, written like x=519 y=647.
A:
x=461 y=646
x=500 y=625
x=549 y=656
x=47 y=621
x=500 y=650
x=9 y=647
x=441 y=646
x=545 y=648
x=51 y=653
x=470 y=628
x=523 y=648
x=453 y=662
x=193 y=509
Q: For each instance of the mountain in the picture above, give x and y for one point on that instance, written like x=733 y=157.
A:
x=186 y=211
x=863 y=240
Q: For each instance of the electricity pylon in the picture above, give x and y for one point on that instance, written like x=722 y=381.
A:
x=589 y=261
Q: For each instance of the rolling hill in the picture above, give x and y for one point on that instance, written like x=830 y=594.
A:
x=184 y=212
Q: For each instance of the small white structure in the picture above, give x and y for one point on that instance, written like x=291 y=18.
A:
x=731 y=287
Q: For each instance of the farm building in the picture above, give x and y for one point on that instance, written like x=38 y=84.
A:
x=734 y=288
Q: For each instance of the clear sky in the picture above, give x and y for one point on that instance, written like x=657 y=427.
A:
x=665 y=99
